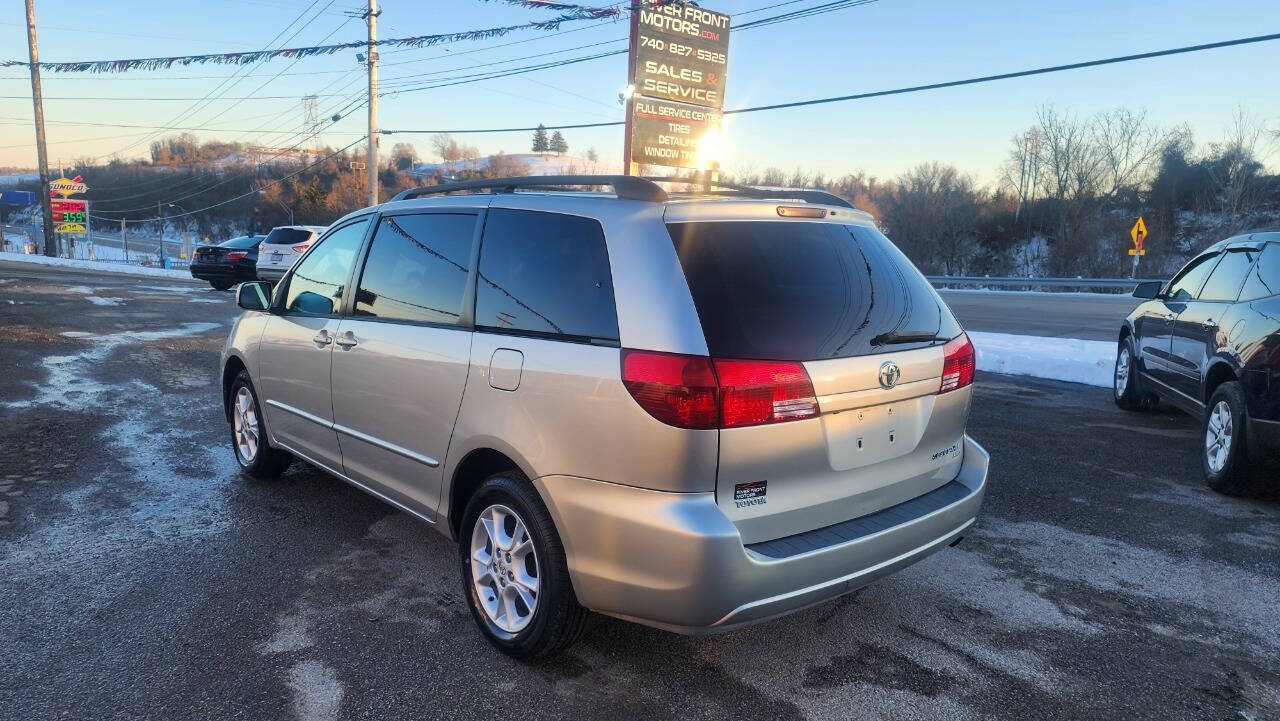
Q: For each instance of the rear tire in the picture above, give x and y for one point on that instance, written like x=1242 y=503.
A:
x=1124 y=382
x=222 y=284
x=249 y=438
x=1224 y=453
x=506 y=513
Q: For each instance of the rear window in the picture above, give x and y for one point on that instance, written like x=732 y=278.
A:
x=288 y=236
x=244 y=242
x=805 y=291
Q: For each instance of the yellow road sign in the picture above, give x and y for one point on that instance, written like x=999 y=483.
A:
x=1139 y=234
x=68 y=228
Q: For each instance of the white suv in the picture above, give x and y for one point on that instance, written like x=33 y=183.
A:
x=283 y=246
x=689 y=411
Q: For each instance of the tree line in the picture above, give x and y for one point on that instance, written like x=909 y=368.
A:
x=1062 y=203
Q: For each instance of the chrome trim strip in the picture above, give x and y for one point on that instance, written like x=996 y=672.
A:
x=385 y=445
x=388 y=446
x=301 y=413
x=357 y=484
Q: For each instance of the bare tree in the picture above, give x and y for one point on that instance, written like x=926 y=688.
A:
x=1235 y=171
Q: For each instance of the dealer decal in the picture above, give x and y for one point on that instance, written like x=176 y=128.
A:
x=749 y=494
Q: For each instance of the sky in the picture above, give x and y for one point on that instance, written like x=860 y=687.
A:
x=880 y=45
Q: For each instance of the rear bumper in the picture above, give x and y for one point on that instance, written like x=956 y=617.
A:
x=271 y=274
x=674 y=561
x=219 y=271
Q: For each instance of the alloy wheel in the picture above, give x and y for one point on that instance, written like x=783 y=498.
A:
x=1122 y=371
x=244 y=422
x=504 y=568
x=1217 y=437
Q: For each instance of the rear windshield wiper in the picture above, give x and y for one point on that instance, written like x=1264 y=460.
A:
x=898 y=337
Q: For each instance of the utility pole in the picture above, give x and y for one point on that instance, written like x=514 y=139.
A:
x=46 y=207
x=372 y=160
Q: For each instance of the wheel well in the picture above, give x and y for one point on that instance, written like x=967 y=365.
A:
x=1218 y=374
x=229 y=373
x=1124 y=332
x=471 y=472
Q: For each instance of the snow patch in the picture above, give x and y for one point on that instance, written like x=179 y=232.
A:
x=118 y=268
x=100 y=300
x=1062 y=359
x=317 y=692
x=68 y=383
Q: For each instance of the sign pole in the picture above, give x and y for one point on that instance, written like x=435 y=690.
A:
x=629 y=168
x=42 y=157
x=124 y=244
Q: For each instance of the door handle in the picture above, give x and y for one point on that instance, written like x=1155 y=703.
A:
x=322 y=338
x=347 y=340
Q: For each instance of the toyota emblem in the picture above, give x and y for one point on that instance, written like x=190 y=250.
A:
x=889 y=374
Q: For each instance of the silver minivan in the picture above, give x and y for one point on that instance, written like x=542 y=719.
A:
x=690 y=410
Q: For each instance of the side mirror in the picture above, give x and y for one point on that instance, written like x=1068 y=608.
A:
x=1148 y=289
x=255 y=295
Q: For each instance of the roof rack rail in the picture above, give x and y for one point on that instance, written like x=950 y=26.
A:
x=627 y=187
x=808 y=196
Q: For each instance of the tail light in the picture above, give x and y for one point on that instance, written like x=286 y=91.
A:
x=758 y=392
x=679 y=390
x=689 y=391
x=300 y=247
x=958 y=363
x=237 y=255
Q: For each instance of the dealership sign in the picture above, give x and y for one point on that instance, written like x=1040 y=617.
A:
x=679 y=57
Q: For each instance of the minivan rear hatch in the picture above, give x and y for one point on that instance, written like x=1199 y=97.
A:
x=840 y=300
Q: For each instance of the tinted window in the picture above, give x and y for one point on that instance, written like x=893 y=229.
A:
x=316 y=284
x=804 y=291
x=245 y=242
x=1187 y=284
x=417 y=268
x=1225 y=280
x=545 y=273
x=1264 y=279
x=288 y=236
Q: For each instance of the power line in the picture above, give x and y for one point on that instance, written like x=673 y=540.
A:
x=898 y=91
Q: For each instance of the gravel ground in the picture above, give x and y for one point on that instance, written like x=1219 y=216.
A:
x=143 y=577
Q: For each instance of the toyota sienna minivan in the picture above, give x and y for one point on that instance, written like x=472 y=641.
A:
x=693 y=410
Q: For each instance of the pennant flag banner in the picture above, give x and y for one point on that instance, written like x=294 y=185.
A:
x=569 y=12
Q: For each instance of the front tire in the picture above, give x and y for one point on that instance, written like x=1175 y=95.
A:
x=1224 y=454
x=249 y=432
x=514 y=572
x=1124 y=383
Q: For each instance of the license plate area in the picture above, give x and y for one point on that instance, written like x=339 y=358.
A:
x=866 y=436
x=276 y=257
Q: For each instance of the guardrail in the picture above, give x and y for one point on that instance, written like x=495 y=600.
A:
x=1123 y=284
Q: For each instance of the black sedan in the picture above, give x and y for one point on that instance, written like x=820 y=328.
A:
x=227 y=263
x=1208 y=342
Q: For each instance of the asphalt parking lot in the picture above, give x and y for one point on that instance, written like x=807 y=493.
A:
x=143 y=577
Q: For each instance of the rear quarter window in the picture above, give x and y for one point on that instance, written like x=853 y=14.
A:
x=1264 y=280
x=804 y=291
x=545 y=274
